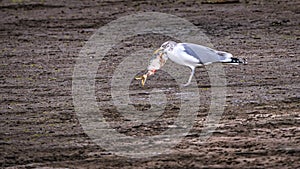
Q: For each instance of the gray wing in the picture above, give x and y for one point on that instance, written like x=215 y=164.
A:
x=205 y=54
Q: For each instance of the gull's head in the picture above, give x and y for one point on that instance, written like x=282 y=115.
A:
x=166 y=47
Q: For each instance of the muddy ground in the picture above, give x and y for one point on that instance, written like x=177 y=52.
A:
x=40 y=41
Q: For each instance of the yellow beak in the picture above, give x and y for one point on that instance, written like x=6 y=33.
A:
x=159 y=49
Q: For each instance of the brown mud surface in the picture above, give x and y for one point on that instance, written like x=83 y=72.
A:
x=40 y=41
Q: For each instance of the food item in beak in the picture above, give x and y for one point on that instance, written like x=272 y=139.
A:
x=156 y=62
x=143 y=78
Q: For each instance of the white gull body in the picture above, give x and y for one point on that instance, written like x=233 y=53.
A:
x=193 y=55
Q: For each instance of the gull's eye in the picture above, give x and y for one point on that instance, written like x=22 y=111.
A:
x=165 y=45
x=169 y=46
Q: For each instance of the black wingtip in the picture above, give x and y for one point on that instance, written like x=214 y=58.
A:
x=237 y=60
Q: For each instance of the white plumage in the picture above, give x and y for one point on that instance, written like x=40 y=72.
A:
x=188 y=54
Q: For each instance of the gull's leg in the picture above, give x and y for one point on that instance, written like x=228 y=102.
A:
x=191 y=76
